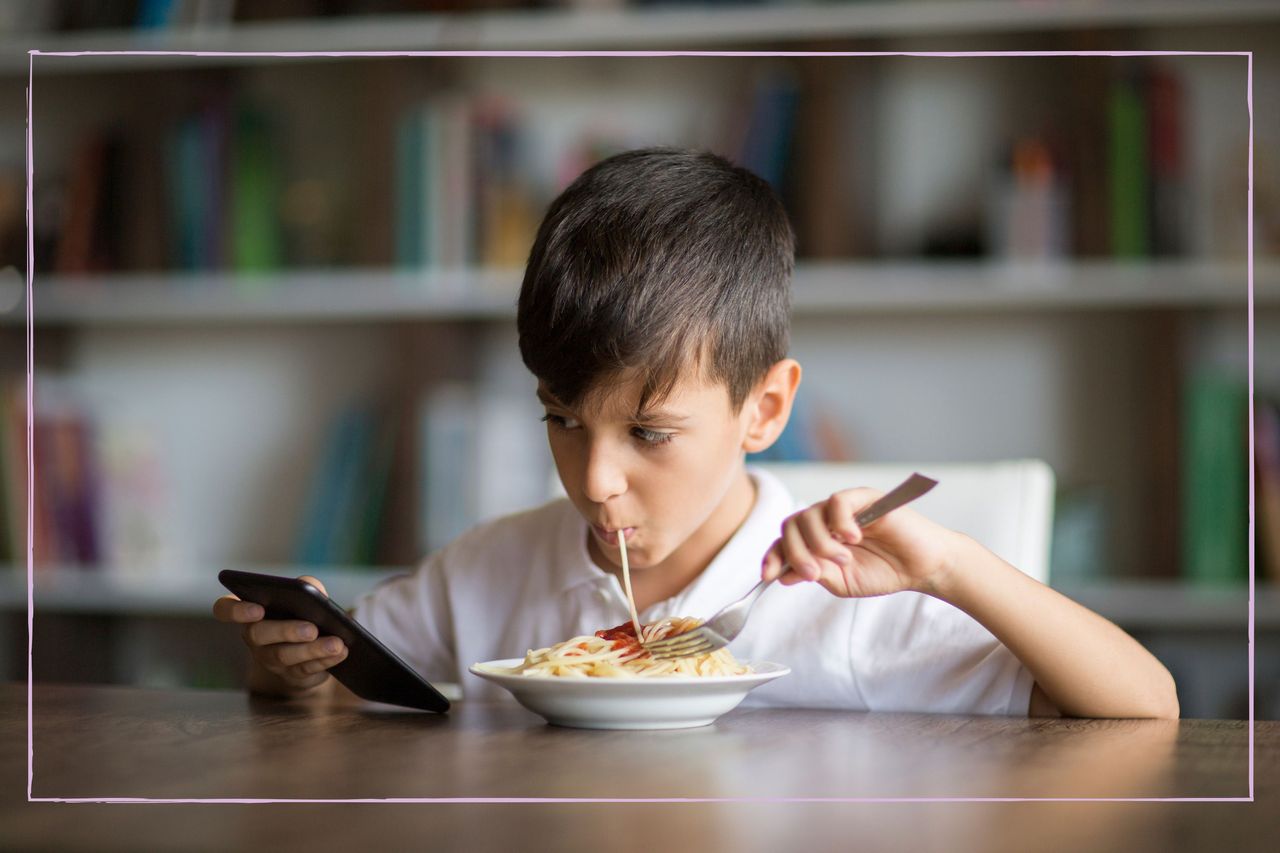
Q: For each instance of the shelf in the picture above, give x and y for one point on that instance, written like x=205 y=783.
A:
x=308 y=296
x=918 y=287
x=641 y=29
x=1146 y=605
x=1159 y=605
x=99 y=592
x=820 y=290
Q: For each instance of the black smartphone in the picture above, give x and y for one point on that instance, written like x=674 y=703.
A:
x=370 y=670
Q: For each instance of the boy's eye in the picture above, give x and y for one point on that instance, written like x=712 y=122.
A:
x=652 y=437
x=560 y=421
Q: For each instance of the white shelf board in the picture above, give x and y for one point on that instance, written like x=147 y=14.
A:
x=821 y=289
x=918 y=287
x=177 y=593
x=1137 y=605
x=773 y=25
x=301 y=296
x=1160 y=605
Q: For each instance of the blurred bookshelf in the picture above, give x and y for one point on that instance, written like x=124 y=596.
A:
x=669 y=26
x=1136 y=605
x=279 y=290
x=479 y=294
x=82 y=590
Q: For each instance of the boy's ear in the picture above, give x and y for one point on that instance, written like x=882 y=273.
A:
x=768 y=408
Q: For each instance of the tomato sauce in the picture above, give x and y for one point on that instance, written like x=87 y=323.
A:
x=622 y=637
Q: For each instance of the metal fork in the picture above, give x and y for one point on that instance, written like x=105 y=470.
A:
x=718 y=631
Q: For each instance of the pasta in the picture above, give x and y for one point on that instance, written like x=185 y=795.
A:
x=615 y=653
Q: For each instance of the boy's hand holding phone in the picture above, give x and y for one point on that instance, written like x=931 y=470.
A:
x=903 y=550
x=290 y=650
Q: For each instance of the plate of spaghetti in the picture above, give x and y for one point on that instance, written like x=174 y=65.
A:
x=609 y=681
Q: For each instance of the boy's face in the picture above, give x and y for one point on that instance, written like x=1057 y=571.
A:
x=659 y=475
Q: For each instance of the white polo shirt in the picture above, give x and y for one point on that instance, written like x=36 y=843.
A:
x=526 y=581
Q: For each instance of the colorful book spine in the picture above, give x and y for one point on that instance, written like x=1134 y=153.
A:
x=256 y=240
x=1267 y=492
x=1215 y=488
x=409 y=192
x=1168 y=217
x=447 y=429
x=1128 y=170
x=766 y=150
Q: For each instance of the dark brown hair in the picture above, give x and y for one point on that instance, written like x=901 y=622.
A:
x=656 y=261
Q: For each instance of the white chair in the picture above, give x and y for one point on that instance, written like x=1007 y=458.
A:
x=1005 y=505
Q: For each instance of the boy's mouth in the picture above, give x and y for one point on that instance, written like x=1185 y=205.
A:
x=610 y=537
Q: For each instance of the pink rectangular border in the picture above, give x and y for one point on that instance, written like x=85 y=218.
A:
x=627 y=53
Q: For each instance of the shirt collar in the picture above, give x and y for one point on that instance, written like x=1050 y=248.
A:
x=734 y=570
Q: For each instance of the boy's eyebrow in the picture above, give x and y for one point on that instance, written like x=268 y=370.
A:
x=641 y=415
x=546 y=399
x=659 y=416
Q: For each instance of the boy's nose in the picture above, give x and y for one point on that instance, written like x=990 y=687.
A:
x=604 y=477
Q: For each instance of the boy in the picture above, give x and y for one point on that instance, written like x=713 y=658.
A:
x=654 y=313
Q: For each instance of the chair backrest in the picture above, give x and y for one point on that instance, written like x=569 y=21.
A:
x=1005 y=505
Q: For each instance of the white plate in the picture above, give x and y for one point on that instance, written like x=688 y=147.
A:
x=675 y=702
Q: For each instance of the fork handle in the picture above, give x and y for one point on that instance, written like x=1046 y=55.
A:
x=750 y=598
x=905 y=492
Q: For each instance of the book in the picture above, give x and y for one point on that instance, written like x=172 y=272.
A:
x=447 y=487
x=766 y=146
x=75 y=247
x=1214 y=488
x=326 y=524
x=256 y=237
x=455 y=202
x=13 y=462
x=1087 y=147
x=409 y=191
x=1266 y=434
x=1127 y=169
x=345 y=511
x=190 y=202
x=139 y=526
x=1168 y=203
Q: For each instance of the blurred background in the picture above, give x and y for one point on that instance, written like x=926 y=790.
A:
x=274 y=297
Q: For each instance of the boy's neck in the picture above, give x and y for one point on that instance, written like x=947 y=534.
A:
x=686 y=563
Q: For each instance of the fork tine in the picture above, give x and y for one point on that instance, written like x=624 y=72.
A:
x=683 y=652
x=695 y=642
x=696 y=635
x=682 y=649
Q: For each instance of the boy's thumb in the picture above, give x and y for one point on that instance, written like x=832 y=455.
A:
x=314 y=582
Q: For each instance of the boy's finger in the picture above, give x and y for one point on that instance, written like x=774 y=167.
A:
x=813 y=527
x=292 y=654
x=229 y=608
x=796 y=555
x=771 y=565
x=317 y=665
x=314 y=581
x=272 y=631
x=840 y=511
x=306 y=681
x=788 y=577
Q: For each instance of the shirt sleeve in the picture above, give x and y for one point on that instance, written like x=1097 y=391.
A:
x=410 y=614
x=912 y=652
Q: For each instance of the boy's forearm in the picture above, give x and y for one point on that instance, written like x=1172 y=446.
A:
x=1087 y=666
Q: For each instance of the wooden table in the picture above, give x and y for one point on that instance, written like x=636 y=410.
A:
x=788 y=766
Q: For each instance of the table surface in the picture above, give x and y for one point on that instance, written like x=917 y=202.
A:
x=783 y=771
